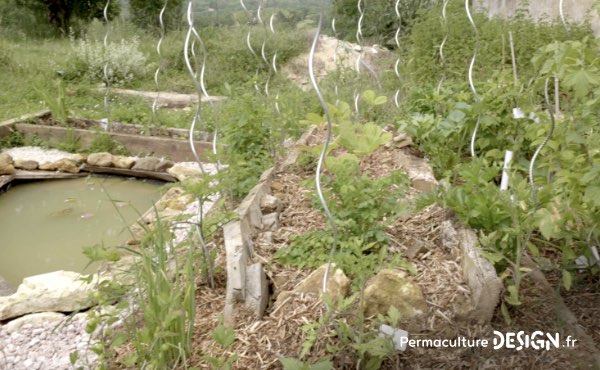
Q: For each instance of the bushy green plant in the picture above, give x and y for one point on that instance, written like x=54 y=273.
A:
x=144 y=13
x=126 y=62
x=16 y=138
x=362 y=208
x=70 y=143
x=103 y=142
x=247 y=128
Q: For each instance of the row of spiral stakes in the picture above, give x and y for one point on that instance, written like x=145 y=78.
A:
x=193 y=41
x=442 y=45
x=195 y=58
x=359 y=38
x=160 y=57
x=106 y=69
x=397 y=41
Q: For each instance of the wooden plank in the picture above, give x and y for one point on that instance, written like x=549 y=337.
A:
x=127 y=172
x=5 y=180
x=45 y=175
x=169 y=99
x=178 y=150
x=6 y=127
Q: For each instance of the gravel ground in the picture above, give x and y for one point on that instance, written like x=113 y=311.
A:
x=45 y=345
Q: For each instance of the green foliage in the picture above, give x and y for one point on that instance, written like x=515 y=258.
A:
x=61 y=15
x=103 y=142
x=16 y=138
x=144 y=14
x=356 y=342
x=422 y=52
x=359 y=202
x=70 y=143
x=160 y=332
x=380 y=21
x=162 y=337
x=125 y=60
x=247 y=134
x=362 y=208
x=224 y=337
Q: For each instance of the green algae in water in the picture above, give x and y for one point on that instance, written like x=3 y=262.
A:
x=44 y=225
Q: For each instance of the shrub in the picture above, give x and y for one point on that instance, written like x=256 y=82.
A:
x=126 y=61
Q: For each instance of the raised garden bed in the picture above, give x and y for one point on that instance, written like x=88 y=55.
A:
x=165 y=142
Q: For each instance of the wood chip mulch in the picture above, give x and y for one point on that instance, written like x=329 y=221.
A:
x=260 y=344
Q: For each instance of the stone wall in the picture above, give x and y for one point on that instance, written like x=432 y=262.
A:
x=574 y=10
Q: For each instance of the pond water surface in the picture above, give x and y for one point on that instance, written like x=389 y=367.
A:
x=45 y=224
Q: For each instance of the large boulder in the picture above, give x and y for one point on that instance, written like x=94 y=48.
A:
x=59 y=291
x=35 y=320
x=67 y=165
x=175 y=198
x=102 y=159
x=6 y=164
x=146 y=164
x=392 y=288
x=120 y=161
x=182 y=172
x=48 y=166
x=27 y=165
x=337 y=285
x=164 y=165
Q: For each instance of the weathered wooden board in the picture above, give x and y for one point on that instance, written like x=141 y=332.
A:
x=127 y=172
x=45 y=175
x=5 y=180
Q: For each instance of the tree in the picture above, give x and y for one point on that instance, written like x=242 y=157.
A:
x=61 y=13
x=144 y=13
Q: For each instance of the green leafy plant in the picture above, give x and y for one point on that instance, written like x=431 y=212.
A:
x=224 y=337
x=362 y=208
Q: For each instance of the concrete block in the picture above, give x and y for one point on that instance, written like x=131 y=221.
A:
x=480 y=276
x=250 y=206
x=270 y=221
x=269 y=204
x=236 y=249
x=257 y=289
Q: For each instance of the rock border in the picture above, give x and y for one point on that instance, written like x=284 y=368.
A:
x=246 y=281
x=39 y=293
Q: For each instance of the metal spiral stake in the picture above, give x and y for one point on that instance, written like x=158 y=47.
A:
x=274 y=62
x=106 y=69
x=442 y=45
x=263 y=52
x=359 y=37
x=397 y=41
x=542 y=145
x=561 y=12
x=159 y=52
x=248 y=40
x=471 y=84
x=188 y=49
x=336 y=88
x=215 y=149
x=313 y=81
x=513 y=57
